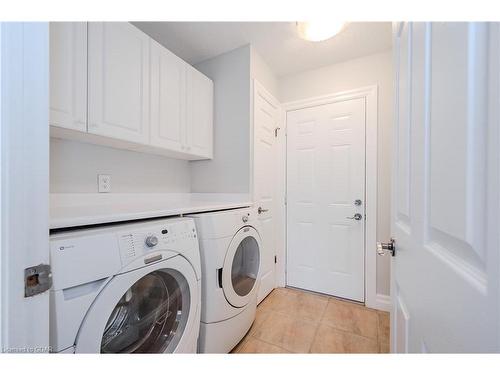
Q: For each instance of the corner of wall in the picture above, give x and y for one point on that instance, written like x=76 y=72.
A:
x=260 y=71
x=229 y=170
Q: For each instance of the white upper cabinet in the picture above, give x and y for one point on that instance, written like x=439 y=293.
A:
x=118 y=58
x=168 y=99
x=68 y=75
x=137 y=94
x=200 y=91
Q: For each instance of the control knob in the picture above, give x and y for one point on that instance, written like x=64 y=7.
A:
x=151 y=241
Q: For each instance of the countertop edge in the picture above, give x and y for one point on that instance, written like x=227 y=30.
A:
x=77 y=221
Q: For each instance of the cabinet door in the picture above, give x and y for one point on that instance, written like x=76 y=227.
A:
x=118 y=81
x=68 y=75
x=200 y=91
x=168 y=99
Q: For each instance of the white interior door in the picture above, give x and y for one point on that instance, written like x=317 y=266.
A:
x=325 y=178
x=24 y=183
x=445 y=285
x=266 y=121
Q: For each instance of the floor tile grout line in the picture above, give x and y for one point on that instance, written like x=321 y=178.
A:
x=349 y=332
x=270 y=343
x=354 y=333
x=317 y=328
x=292 y=317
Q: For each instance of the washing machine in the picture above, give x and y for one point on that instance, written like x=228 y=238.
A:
x=133 y=288
x=230 y=248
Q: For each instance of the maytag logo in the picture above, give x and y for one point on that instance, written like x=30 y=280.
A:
x=66 y=247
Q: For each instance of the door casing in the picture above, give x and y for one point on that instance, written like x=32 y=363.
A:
x=370 y=94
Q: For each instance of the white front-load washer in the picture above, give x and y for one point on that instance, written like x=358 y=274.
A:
x=230 y=247
x=130 y=288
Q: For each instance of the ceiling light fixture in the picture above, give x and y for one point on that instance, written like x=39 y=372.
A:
x=319 y=30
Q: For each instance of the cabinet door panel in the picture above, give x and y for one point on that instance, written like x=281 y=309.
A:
x=119 y=81
x=168 y=99
x=68 y=75
x=199 y=114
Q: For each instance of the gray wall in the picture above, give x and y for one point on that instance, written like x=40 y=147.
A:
x=229 y=171
x=365 y=71
x=74 y=167
x=260 y=71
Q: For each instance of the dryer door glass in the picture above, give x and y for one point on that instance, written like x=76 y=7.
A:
x=150 y=317
x=245 y=267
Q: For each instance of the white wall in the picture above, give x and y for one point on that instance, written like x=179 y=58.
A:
x=229 y=171
x=365 y=71
x=74 y=167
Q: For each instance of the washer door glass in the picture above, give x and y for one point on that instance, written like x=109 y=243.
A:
x=150 y=317
x=245 y=267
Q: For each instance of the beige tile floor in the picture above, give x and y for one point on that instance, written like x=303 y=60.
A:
x=293 y=321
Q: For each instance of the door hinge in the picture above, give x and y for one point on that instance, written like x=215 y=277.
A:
x=275 y=259
x=37 y=279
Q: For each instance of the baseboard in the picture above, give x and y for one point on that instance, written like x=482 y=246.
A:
x=383 y=302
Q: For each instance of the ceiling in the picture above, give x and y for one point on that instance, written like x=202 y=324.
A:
x=277 y=42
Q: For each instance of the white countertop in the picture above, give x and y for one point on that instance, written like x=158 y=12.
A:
x=70 y=210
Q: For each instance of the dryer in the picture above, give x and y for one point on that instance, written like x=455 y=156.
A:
x=132 y=288
x=230 y=248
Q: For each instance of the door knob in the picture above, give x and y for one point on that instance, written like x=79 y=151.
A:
x=261 y=210
x=384 y=247
x=355 y=217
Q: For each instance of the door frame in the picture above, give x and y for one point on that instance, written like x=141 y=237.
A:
x=370 y=94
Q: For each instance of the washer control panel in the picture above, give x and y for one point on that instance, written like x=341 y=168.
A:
x=174 y=236
x=151 y=241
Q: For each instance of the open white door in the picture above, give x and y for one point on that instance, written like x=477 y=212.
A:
x=24 y=183
x=266 y=122
x=445 y=287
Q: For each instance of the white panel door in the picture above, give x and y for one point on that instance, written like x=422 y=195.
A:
x=200 y=102
x=266 y=121
x=168 y=99
x=325 y=176
x=118 y=81
x=68 y=75
x=445 y=281
x=24 y=183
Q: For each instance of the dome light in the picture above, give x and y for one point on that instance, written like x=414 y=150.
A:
x=319 y=30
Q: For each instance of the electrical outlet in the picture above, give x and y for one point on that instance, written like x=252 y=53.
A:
x=104 y=183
